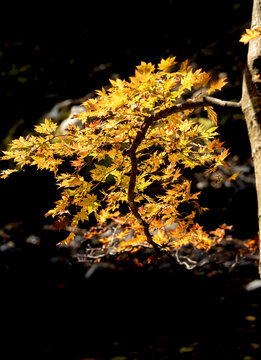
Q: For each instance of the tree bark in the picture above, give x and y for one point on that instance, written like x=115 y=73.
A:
x=251 y=103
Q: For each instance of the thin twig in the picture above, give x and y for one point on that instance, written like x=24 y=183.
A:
x=223 y=103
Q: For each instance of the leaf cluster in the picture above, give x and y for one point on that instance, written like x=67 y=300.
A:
x=136 y=134
x=250 y=34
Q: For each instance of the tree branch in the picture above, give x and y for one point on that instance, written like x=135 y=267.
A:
x=224 y=103
x=131 y=200
x=140 y=136
x=205 y=101
x=150 y=119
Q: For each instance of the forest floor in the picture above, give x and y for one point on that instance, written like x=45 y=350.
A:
x=55 y=307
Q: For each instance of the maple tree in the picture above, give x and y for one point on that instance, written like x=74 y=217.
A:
x=137 y=133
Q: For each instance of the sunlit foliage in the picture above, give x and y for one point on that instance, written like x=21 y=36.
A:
x=138 y=133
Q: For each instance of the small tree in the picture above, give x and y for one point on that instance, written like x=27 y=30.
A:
x=138 y=133
x=135 y=134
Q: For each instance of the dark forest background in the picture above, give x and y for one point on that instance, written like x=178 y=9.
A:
x=50 y=54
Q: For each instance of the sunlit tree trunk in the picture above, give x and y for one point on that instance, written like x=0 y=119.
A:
x=251 y=102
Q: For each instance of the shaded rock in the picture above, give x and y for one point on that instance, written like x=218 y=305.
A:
x=33 y=240
x=61 y=110
x=253 y=285
x=99 y=270
x=71 y=120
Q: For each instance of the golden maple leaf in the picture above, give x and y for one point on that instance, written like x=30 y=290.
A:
x=217 y=85
x=234 y=176
x=47 y=127
x=250 y=35
x=5 y=173
x=166 y=65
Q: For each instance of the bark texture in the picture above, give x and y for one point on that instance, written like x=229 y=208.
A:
x=251 y=103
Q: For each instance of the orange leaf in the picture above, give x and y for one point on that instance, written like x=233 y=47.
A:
x=5 y=173
x=166 y=65
x=250 y=35
x=138 y=263
x=234 y=176
x=217 y=85
x=67 y=241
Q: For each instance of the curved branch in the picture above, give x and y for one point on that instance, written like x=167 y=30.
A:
x=205 y=101
x=223 y=103
x=140 y=136
x=131 y=200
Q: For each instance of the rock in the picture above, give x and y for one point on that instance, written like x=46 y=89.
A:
x=253 y=285
x=7 y=246
x=33 y=240
x=71 y=120
x=99 y=269
x=62 y=113
x=61 y=110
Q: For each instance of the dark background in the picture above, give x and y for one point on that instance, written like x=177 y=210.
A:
x=48 y=54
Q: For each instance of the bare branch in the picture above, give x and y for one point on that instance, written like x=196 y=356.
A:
x=223 y=103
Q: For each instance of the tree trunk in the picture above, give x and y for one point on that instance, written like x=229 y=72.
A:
x=251 y=103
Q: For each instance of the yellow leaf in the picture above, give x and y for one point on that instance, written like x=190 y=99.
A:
x=67 y=241
x=89 y=203
x=160 y=237
x=138 y=263
x=117 y=100
x=234 y=176
x=202 y=78
x=5 y=173
x=212 y=115
x=47 y=127
x=99 y=173
x=188 y=80
x=102 y=93
x=82 y=215
x=184 y=66
x=104 y=215
x=217 y=85
x=144 y=68
x=250 y=35
x=68 y=180
x=167 y=65
x=79 y=162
